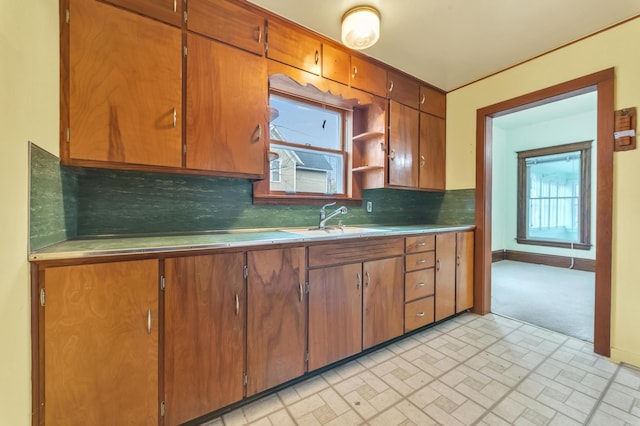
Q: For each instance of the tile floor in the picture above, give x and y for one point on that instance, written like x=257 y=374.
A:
x=471 y=370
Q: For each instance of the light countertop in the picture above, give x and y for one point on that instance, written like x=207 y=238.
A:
x=165 y=243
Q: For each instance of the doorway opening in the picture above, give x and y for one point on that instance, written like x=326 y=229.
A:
x=603 y=83
x=544 y=166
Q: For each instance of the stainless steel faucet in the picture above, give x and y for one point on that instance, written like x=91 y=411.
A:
x=324 y=218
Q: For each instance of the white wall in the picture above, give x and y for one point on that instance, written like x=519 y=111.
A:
x=29 y=85
x=568 y=129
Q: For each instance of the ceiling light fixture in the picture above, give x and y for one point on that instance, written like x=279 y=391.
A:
x=360 y=27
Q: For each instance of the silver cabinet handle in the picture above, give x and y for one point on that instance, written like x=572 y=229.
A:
x=259 y=34
x=317 y=57
x=149 y=321
x=422 y=99
x=420 y=285
x=392 y=155
x=421 y=244
x=301 y=291
x=391 y=86
x=438 y=265
x=175 y=118
x=421 y=261
x=237 y=305
x=368 y=279
x=422 y=161
x=420 y=314
x=355 y=72
x=359 y=280
x=458 y=260
x=259 y=132
x=175 y=6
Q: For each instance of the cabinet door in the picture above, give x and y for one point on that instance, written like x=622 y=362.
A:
x=432 y=152
x=227 y=22
x=445 y=275
x=433 y=102
x=335 y=314
x=383 y=302
x=169 y=11
x=464 y=271
x=335 y=64
x=204 y=334
x=227 y=104
x=101 y=344
x=403 y=145
x=125 y=87
x=403 y=89
x=293 y=47
x=276 y=317
x=368 y=77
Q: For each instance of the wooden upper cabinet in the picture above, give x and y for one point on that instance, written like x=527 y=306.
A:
x=403 y=89
x=169 y=11
x=368 y=77
x=335 y=64
x=100 y=351
x=383 y=303
x=433 y=102
x=205 y=302
x=291 y=46
x=403 y=145
x=432 y=152
x=226 y=95
x=227 y=22
x=125 y=88
x=276 y=318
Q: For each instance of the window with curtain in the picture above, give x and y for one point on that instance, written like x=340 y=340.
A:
x=554 y=196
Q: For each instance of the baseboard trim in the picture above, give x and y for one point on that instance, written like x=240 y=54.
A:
x=545 y=259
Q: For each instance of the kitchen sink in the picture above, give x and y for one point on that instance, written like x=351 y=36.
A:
x=332 y=231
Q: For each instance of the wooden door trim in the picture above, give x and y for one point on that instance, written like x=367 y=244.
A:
x=603 y=81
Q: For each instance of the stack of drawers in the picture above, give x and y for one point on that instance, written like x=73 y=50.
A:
x=419 y=281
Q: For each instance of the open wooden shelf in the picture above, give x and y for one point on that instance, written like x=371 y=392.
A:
x=368 y=136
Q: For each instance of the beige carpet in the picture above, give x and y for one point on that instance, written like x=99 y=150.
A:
x=559 y=299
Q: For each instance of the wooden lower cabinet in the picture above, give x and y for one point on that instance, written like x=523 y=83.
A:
x=454 y=273
x=276 y=317
x=464 y=270
x=383 y=299
x=335 y=314
x=204 y=334
x=100 y=349
x=445 y=280
x=353 y=307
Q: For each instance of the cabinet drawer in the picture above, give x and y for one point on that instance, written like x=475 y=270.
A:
x=420 y=243
x=418 y=313
x=413 y=262
x=354 y=251
x=419 y=284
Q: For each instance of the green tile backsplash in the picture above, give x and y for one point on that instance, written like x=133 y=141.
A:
x=104 y=202
x=53 y=205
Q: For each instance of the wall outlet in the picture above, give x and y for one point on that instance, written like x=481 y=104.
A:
x=369 y=206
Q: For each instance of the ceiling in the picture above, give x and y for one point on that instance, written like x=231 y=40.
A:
x=450 y=43
x=579 y=104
